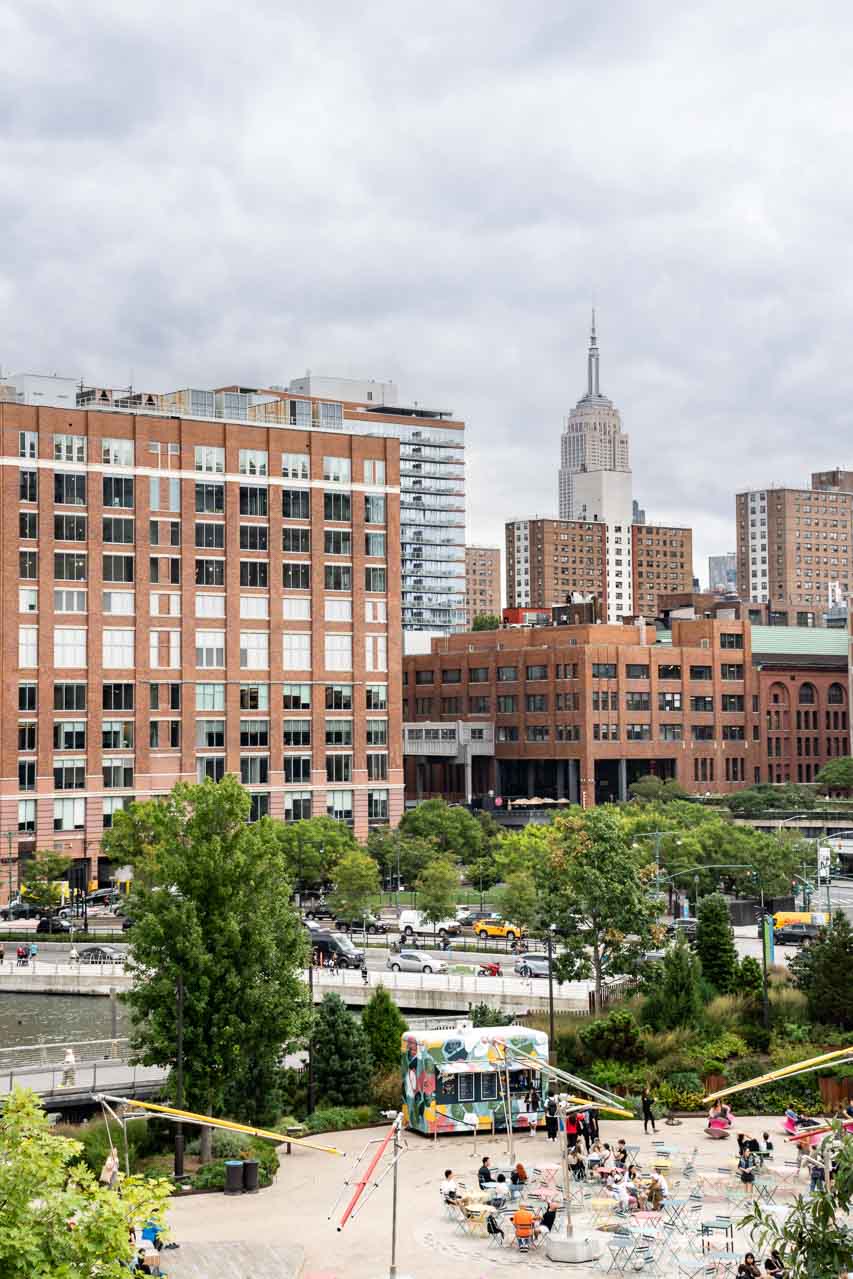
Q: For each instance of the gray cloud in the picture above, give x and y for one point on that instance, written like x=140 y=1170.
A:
x=198 y=193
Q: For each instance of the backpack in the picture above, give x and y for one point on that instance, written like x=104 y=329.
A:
x=552 y=1107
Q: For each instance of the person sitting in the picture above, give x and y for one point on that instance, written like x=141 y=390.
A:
x=773 y=1265
x=501 y=1192
x=632 y=1185
x=607 y=1164
x=658 y=1190
x=518 y=1176
x=748 y=1268
x=524 y=1221
x=577 y=1165
x=545 y=1223
x=618 y=1190
x=449 y=1188
x=140 y=1265
x=484 y=1172
x=620 y=1154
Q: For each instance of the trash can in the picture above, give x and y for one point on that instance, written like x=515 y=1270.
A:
x=250 y=1176
x=233 y=1176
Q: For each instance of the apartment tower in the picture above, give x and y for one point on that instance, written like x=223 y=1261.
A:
x=482 y=581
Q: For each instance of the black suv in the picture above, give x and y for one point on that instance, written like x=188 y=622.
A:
x=339 y=945
x=795 y=934
x=371 y=922
x=685 y=927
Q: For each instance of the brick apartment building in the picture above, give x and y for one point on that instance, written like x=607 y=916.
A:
x=548 y=560
x=579 y=712
x=192 y=597
x=482 y=581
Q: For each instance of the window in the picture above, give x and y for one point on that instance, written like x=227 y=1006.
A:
x=28 y=696
x=28 y=646
x=119 y=568
x=210 y=697
x=117 y=452
x=424 y=677
x=338 y=697
x=113 y=804
x=633 y=670
x=28 y=565
x=70 y=528
x=115 y=697
x=506 y=704
x=339 y=732
x=375 y=579
x=28 y=486
x=731 y=670
x=671 y=732
x=506 y=733
x=69 y=448
x=26 y=815
x=210 y=768
x=506 y=674
x=28 y=524
x=700 y=672
x=210 y=732
x=171 y=700
x=374 y=545
x=377 y=767
x=69 y=774
x=731 y=640
x=164 y=495
x=338 y=652
x=28 y=599
x=339 y=806
x=28 y=443
x=337 y=506
x=254 y=770
x=210 y=498
x=255 y=573
x=210 y=459
x=637 y=701
x=254 y=732
x=210 y=572
x=296 y=504
x=27 y=735
x=164 y=649
x=69 y=697
x=297 y=768
x=667 y=670
x=374 y=471
x=210 y=536
x=26 y=774
x=376 y=697
x=377 y=732
x=376 y=653
x=118 y=491
x=538 y=732
x=807 y=695
x=337 y=541
x=605 y=732
x=296 y=697
x=210 y=648
x=338 y=577
x=296 y=651
x=296 y=732
x=115 y=529
x=69 y=646
x=638 y=732
x=296 y=608
x=536 y=702
x=374 y=509
x=669 y=701
x=478 y=675
x=68 y=735
x=423 y=705
x=731 y=702
x=733 y=733
x=295 y=576
x=835 y=695
x=254 y=650
x=70 y=566
x=69 y=814
x=254 y=606
x=254 y=462
x=253 y=500
x=295 y=466
x=703 y=732
x=702 y=704
x=297 y=805
x=117 y=734
x=336 y=469
x=254 y=537
x=537 y=672
x=254 y=697
x=606 y=670
x=209 y=605
x=296 y=540
x=118 y=773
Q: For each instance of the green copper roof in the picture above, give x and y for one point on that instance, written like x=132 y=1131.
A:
x=825 y=641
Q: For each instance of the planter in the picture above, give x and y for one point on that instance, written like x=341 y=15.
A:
x=834 y=1093
x=713 y=1083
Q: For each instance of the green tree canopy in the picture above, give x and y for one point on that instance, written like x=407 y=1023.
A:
x=823 y=970
x=715 y=944
x=211 y=901
x=486 y=622
x=342 y=1061
x=41 y=879
x=56 y=1220
x=765 y=797
x=356 y=882
x=437 y=886
x=836 y=775
x=393 y=848
x=312 y=848
x=453 y=830
x=384 y=1025
x=674 y=994
x=517 y=900
x=651 y=789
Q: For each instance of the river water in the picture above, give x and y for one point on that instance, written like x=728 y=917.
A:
x=28 y=1019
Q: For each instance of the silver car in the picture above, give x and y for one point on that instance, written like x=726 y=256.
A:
x=415 y=961
x=532 y=966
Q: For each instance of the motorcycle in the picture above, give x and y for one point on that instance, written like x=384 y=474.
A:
x=489 y=968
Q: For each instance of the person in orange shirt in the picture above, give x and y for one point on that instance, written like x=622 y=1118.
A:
x=523 y=1220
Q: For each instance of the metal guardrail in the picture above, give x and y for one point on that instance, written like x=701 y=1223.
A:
x=457 y=983
x=38 y=1052
x=82 y=1077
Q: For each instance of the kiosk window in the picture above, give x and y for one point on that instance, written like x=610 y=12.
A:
x=519 y=1080
x=466 y=1087
x=488 y=1087
x=448 y=1087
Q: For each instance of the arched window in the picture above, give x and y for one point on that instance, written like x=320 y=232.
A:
x=835 y=695
x=807 y=695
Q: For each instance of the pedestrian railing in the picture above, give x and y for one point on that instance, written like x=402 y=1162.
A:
x=83 y=1076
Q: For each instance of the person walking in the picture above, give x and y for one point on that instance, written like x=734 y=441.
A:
x=534 y=1105
x=648 y=1114
x=364 y=974
x=69 y=1065
x=551 y=1118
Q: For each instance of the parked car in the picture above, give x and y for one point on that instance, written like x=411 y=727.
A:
x=339 y=945
x=415 y=961
x=532 y=966
x=319 y=910
x=795 y=934
x=19 y=909
x=101 y=955
x=685 y=926
x=57 y=924
x=102 y=897
x=491 y=926
x=126 y=923
x=412 y=922
x=372 y=923
x=466 y=917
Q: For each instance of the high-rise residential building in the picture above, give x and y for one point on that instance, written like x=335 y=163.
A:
x=722 y=573
x=482 y=581
x=662 y=562
x=193 y=595
x=432 y=483
x=794 y=546
x=595 y=480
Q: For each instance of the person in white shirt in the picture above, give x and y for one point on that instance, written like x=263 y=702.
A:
x=658 y=1190
x=449 y=1187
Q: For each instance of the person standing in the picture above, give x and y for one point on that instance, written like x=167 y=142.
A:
x=534 y=1105
x=572 y=1129
x=551 y=1118
x=648 y=1102
x=69 y=1064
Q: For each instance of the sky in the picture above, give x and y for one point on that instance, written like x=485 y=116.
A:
x=200 y=194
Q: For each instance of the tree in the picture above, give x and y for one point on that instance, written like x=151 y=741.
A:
x=596 y=889
x=384 y=1026
x=394 y=849
x=342 y=1062
x=715 y=943
x=211 y=902
x=486 y=622
x=749 y=980
x=453 y=829
x=356 y=882
x=312 y=849
x=765 y=797
x=675 y=995
x=517 y=900
x=836 y=775
x=823 y=970
x=41 y=878
x=56 y=1218
x=814 y=1239
x=437 y=885
x=651 y=789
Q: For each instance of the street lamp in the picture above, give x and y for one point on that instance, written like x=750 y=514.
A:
x=552 y=1052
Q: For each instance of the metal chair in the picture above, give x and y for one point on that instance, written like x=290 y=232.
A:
x=494 y=1231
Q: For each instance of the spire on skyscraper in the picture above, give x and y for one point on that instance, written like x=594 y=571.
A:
x=592 y=361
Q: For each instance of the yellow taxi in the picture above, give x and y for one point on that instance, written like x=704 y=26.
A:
x=491 y=927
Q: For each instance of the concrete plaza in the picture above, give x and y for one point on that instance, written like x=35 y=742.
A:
x=294 y=1213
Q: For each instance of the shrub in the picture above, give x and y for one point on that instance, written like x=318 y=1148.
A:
x=384 y=1027
x=675 y=999
x=342 y=1065
x=223 y=1145
x=386 y=1090
x=485 y=1015
x=616 y=1036
x=724 y=1012
x=671 y=1046
x=338 y=1118
x=788 y=1005
x=684 y=1081
x=757 y=1037
x=210 y=1177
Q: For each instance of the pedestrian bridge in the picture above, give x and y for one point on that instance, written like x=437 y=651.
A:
x=61 y=1087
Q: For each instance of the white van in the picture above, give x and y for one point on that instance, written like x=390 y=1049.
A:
x=412 y=923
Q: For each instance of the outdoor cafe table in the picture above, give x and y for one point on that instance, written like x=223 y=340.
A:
x=672 y=1212
x=718 y=1223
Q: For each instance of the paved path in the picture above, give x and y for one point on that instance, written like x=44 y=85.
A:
x=233 y=1261
x=88 y=1077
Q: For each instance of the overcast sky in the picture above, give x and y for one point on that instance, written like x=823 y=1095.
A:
x=198 y=194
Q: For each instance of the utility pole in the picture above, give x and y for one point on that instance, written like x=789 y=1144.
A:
x=552 y=1039
x=179 y=1082
x=311 y=1037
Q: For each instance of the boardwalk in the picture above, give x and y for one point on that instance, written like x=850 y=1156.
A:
x=106 y=1075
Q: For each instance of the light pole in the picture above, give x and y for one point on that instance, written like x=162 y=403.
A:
x=552 y=1050
x=179 y=1080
